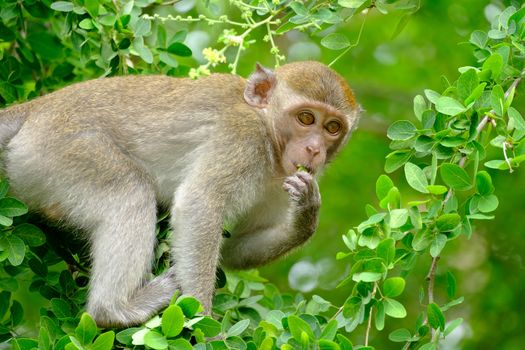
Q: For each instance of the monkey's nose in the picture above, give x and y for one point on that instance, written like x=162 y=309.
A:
x=313 y=150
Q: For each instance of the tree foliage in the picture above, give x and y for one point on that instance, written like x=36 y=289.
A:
x=442 y=154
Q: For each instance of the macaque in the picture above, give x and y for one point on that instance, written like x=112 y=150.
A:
x=103 y=155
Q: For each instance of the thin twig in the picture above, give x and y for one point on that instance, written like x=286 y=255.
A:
x=507 y=160
x=431 y=278
x=369 y=326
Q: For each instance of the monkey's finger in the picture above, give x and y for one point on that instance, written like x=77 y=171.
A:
x=292 y=191
x=305 y=176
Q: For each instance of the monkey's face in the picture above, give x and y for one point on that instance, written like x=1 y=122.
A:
x=310 y=134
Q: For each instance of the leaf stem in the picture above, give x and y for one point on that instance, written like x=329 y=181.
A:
x=507 y=160
x=369 y=326
x=352 y=45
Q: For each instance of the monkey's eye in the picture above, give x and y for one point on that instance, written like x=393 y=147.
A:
x=306 y=118
x=333 y=127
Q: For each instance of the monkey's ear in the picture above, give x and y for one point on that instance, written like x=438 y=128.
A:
x=259 y=86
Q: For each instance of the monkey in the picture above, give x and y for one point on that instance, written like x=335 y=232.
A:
x=104 y=154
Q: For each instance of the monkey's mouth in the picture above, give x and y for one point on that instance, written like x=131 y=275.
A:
x=304 y=167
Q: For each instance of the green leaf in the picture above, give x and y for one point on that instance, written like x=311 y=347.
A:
x=179 y=36
x=179 y=344
x=479 y=39
x=436 y=319
x=424 y=144
x=17 y=313
x=394 y=308
x=493 y=65
x=422 y=240
x=392 y=200
x=142 y=27
x=15 y=249
x=92 y=7
x=484 y=183
x=448 y=222
x=86 y=329
x=299 y=8
x=379 y=320
x=104 y=341
x=208 y=326
x=297 y=326
x=155 y=340
x=325 y=344
x=449 y=106
x=352 y=4
x=476 y=94
x=125 y=336
x=419 y=106
x=386 y=250
x=438 y=244
x=467 y=82
x=179 y=49
x=189 y=305
x=143 y=51
x=437 y=189
x=383 y=185
x=398 y=217
x=8 y=92
x=5 y=221
x=169 y=59
x=416 y=178
x=108 y=20
x=519 y=123
x=488 y=203
x=400 y=335
x=330 y=330
x=394 y=286
x=86 y=24
x=396 y=159
x=172 y=321
x=453 y=325
x=371 y=221
x=238 y=328
x=401 y=130
x=62 y=6
x=367 y=276
x=60 y=308
x=497 y=100
x=32 y=235
x=12 y=207
x=335 y=41
x=455 y=177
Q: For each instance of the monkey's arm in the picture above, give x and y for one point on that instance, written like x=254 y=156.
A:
x=264 y=244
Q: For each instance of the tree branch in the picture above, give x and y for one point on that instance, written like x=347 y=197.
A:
x=431 y=278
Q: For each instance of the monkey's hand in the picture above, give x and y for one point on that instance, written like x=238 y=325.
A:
x=303 y=189
x=306 y=200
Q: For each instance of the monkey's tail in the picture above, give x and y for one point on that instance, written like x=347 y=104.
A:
x=11 y=120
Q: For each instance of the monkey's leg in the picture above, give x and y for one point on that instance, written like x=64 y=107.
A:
x=87 y=181
x=123 y=250
x=197 y=222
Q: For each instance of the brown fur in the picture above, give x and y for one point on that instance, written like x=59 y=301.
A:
x=101 y=155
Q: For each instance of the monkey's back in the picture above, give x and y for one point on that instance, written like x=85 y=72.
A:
x=159 y=123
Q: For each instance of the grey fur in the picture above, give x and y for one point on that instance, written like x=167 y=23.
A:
x=101 y=155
